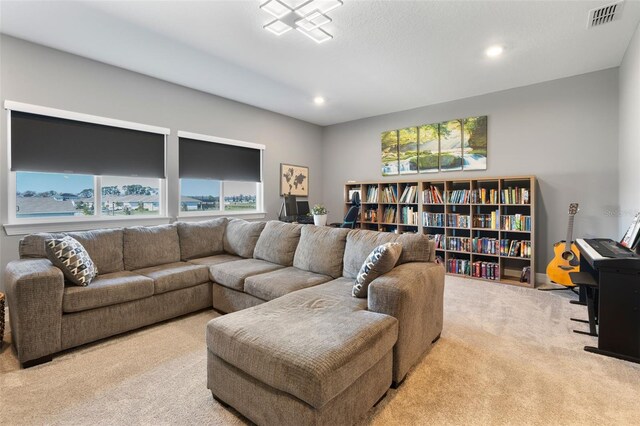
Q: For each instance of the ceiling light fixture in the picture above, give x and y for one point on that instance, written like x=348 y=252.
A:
x=308 y=17
x=318 y=100
x=494 y=51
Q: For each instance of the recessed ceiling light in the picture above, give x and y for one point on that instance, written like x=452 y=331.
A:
x=494 y=51
x=318 y=100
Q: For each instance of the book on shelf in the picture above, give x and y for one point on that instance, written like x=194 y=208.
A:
x=433 y=219
x=515 y=248
x=439 y=240
x=409 y=194
x=389 y=215
x=486 y=270
x=484 y=196
x=459 y=196
x=408 y=215
x=372 y=194
x=515 y=222
x=459 y=266
x=515 y=195
x=390 y=194
x=432 y=195
x=459 y=244
x=485 y=245
x=486 y=220
x=455 y=220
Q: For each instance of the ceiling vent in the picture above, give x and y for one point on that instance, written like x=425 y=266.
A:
x=605 y=14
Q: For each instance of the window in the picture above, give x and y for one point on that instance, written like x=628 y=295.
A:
x=46 y=195
x=66 y=164
x=219 y=175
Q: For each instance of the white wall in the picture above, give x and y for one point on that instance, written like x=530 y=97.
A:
x=565 y=132
x=39 y=75
x=629 y=133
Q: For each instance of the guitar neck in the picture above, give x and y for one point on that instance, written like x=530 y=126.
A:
x=567 y=245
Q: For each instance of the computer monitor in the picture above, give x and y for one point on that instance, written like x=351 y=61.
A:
x=290 y=205
x=303 y=208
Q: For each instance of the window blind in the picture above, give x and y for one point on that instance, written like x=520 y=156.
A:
x=41 y=143
x=210 y=160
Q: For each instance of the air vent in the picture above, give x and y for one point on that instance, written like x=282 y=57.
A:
x=605 y=14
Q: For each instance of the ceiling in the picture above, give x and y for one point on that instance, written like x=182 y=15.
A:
x=386 y=56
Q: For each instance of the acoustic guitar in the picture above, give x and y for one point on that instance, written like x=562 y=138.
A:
x=566 y=257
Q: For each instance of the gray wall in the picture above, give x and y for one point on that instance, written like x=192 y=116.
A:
x=39 y=75
x=629 y=134
x=564 y=131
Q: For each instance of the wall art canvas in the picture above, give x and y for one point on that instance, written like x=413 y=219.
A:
x=408 y=150
x=451 y=145
x=428 y=148
x=474 y=150
x=389 y=142
x=294 y=180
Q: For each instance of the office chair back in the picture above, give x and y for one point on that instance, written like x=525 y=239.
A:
x=351 y=217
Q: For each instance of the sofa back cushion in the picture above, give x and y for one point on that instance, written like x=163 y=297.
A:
x=201 y=239
x=321 y=249
x=146 y=246
x=361 y=242
x=278 y=242
x=240 y=237
x=104 y=246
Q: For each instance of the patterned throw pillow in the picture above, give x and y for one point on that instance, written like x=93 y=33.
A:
x=380 y=261
x=74 y=261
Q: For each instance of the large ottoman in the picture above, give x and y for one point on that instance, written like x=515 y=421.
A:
x=302 y=359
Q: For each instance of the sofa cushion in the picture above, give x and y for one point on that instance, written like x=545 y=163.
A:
x=106 y=290
x=146 y=246
x=278 y=242
x=321 y=249
x=73 y=260
x=233 y=274
x=361 y=242
x=215 y=260
x=105 y=246
x=240 y=237
x=338 y=345
x=200 y=239
x=32 y=246
x=380 y=261
x=271 y=285
x=174 y=276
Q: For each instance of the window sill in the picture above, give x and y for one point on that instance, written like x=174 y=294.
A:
x=195 y=216
x=23 y=228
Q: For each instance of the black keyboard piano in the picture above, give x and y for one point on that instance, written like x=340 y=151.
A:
x=610 y=274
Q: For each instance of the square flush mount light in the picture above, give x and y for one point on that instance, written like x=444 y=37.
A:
x=276 y=8
x=277 y=27
x=312 y=13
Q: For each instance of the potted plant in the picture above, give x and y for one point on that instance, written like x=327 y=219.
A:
x=319 y=213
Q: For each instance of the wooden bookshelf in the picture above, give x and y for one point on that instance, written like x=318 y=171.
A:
x=484 y=228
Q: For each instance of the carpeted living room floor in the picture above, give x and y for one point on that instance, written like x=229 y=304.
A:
x=507 y=356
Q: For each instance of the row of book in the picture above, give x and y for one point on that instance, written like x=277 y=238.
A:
x=485 y=245
x=409 y=216
x=458 y=244
x=439 y=240
x=409 y=195
x=389 y=215
x=486 y=270
x=372 y=194
x=515 y=248
x=459 y=196
x=433 y=219
x=432 y=195
x=371 y=215
x=515 y=195
x=455 y=220
x=515 y=222
x=487 y=221
x=484 y=196
x=389 y=194
x=459 y=266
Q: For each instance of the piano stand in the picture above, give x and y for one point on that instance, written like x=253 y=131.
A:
x=588 y=286
x=624 y=357
x=582 y=296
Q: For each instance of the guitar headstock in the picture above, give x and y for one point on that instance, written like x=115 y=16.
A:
x=573 y=209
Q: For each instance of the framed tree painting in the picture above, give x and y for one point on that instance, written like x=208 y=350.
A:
x=408 y=150
x=389 y=153
x=294 y=180
x=451 y=145
x=428 y=148
x=474 y=147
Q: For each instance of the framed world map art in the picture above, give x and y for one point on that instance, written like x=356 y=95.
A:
x=294 y=180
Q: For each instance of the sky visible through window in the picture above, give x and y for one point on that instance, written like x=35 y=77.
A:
x=199 y=187
x=61 y=183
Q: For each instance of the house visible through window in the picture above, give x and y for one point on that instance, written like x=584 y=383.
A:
x=53 y=195
x=128 y=196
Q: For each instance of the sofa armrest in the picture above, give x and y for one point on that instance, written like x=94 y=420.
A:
x=413 y=293
x=34 y=295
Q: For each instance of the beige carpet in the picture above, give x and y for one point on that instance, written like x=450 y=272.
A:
x=507 y=356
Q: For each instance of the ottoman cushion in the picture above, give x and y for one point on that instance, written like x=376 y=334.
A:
x=339 y=344
x=277 y=283
x=233 y=274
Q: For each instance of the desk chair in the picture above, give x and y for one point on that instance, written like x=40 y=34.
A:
x=351 y=218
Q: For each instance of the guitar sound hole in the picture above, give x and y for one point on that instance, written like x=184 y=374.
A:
x=567 y=255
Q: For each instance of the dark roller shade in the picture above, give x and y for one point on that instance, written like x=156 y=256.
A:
x=210 y=160
x=49 y=144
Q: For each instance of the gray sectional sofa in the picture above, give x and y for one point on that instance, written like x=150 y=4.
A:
x=295 y=348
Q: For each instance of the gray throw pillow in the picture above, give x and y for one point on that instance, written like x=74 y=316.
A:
x=68 y=254
x=380 y=261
